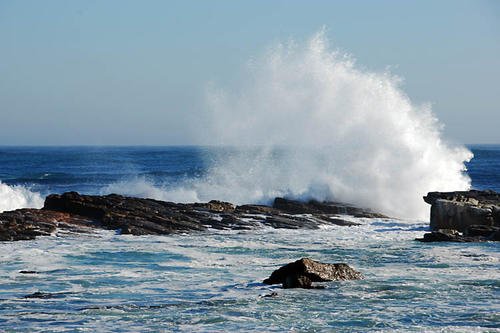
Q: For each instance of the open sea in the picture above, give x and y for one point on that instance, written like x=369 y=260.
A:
x=211 y=282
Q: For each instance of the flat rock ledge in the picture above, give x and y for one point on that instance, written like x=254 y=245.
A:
x=303 y=272
x=474 y=233
x=463 y=216
x=72 y=212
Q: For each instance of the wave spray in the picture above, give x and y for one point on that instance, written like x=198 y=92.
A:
x=321 y=128
x=306 y=123
x=15 y=197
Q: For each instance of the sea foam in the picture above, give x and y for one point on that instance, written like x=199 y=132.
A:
x=14 y=197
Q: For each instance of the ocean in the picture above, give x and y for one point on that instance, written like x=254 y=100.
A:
x=211 y=282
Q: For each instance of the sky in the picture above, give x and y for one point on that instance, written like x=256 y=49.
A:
x=134 y=72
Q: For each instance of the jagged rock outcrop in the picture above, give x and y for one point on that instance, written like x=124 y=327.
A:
x=301 y=273
x=73 y=212
x=464 y=216
x=459 y=210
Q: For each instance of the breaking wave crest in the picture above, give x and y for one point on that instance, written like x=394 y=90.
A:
x=14 y=197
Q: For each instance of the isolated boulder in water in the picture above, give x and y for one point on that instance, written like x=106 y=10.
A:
x=301 y=273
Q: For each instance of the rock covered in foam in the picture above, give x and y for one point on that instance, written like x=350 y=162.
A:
x=301 y=273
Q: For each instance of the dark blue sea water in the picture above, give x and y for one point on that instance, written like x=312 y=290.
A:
x=484 y=168
x=211 y=282
x=90 y=169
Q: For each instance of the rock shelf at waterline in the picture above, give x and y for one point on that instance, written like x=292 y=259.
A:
x=72 y=212
x=463 y=216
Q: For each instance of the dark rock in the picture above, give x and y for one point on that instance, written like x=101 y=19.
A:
x=481 y=230
x=273 y=294
x=132 y=215
x=340 y=222
x=316 y=207
x=442 y=235
x=26 y=224
x=256 y=210
x=495 y=236
x=460 y=210
x=474 y=233
x=297 y=281
x=437 y=236
x=285 y=222
x=301 y=273
x=217 y=206
x=39 y=294
x=76 y=213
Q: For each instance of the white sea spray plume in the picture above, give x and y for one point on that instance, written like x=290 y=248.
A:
x=143 y=188
x=322 y=128
x=17 y=196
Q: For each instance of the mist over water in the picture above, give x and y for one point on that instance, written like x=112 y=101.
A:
x=319 y=127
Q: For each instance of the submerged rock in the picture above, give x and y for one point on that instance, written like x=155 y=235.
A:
x=303 y=272
x=40 y=294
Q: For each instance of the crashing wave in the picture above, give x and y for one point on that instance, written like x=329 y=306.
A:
x=17 y=196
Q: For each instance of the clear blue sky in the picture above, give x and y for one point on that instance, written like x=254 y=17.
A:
x=134 y=72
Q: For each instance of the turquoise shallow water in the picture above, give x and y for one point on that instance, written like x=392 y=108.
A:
x=212 y=282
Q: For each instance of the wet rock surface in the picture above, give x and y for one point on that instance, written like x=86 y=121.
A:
x=303 y=272
x=76 y=213
x=25 y=224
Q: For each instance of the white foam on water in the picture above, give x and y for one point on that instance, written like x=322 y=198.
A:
x=218 y=274
x=14 y=197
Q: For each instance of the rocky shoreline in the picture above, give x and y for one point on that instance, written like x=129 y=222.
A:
x=467 y=216
x=76 y=213
x=472 y=216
